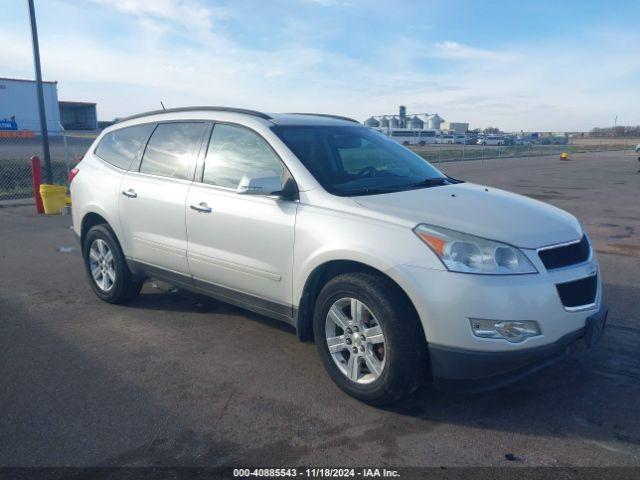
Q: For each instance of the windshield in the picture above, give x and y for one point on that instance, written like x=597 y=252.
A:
x=356 y=160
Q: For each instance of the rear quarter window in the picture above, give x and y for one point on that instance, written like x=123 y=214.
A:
x=121 y=146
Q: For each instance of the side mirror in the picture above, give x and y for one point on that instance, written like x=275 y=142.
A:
x=260 y=183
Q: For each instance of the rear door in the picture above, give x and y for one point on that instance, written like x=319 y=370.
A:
x=240 y=246
x=100 y=190
x=153 y=196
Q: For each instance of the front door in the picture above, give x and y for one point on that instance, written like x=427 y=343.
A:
x=153 y=199
x=240 y=247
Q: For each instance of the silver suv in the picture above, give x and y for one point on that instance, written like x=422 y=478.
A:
x=399 y=273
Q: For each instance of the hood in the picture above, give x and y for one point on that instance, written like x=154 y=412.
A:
x=483 y=211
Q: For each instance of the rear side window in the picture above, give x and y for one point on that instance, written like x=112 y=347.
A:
x=234 y=152
x=172 y=149
x=121 y=146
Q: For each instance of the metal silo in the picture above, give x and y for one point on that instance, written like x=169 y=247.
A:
x=434 y=122
x=371 y=122
x=403 y=116
x=416 y=123
x=394 y=123
x=384 y=122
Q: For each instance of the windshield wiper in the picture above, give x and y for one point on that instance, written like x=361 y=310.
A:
x=430 y=182
x=377 y=190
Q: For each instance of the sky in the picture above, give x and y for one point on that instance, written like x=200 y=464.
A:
x=543 y=65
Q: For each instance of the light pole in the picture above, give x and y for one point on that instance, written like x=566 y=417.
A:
x=43 y=118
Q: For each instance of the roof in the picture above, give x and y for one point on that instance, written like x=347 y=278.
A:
x=7 y=79
x=310 y=119
x=69 y=103
x=276 y=118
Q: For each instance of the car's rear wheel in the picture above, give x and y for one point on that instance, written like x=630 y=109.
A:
x=369 y=338
x=106 y=267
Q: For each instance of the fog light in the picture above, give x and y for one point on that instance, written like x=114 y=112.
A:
x=510 y=330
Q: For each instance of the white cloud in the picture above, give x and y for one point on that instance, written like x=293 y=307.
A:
x=459 y=51
x=190 y=13
x=273 y=74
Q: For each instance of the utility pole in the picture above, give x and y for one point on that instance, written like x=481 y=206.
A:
x=43 y=118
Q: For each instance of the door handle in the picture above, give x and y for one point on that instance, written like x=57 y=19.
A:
x=201 y=207
x=131 y=193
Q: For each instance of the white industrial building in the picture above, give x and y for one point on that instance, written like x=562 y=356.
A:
x=19 y=108
x=455 y=127
x=415 y=129
x=419 y=121
x=19 y=105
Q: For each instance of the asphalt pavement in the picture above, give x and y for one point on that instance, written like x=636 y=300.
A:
x=163 y=381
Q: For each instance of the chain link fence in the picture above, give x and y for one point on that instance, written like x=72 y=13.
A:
x=16 y=151
x=439 y=153
x=68 y=148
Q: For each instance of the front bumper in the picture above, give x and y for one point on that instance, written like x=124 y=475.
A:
x=474 y=371
x=446 y=301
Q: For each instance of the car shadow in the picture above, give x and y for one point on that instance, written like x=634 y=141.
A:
x=161 y=296
x=134 y=391
x=585 y=394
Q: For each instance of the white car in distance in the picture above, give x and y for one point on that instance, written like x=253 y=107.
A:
x=492 y=140
x=399 y=273
x=445 y=138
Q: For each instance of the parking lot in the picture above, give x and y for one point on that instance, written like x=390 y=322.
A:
x=163 y=381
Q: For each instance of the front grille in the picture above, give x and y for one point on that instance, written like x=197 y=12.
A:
x=565 y=255
x=579 y=292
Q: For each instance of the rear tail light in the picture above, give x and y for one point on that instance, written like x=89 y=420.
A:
x=72 y=174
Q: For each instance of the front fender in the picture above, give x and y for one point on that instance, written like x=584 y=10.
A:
x=323 y=236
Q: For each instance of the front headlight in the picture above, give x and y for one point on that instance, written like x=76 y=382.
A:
x=460 y=252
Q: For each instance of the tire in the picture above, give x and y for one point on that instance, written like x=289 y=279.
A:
x=403 y=364
x=114 y=282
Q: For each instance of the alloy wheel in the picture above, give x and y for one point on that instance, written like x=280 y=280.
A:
x=355 y=340
x=102 y=265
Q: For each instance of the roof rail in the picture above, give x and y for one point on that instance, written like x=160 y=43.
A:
x=190 y=109
x=337 y=117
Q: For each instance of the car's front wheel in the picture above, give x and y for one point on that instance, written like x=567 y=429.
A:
x=369 y=338
x=106 y=267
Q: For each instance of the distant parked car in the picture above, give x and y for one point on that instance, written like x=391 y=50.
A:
x=638 y=148
x=461 y=139
x=445 y=139
x=554 y=140
x=522 y=141
x=492 y=140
